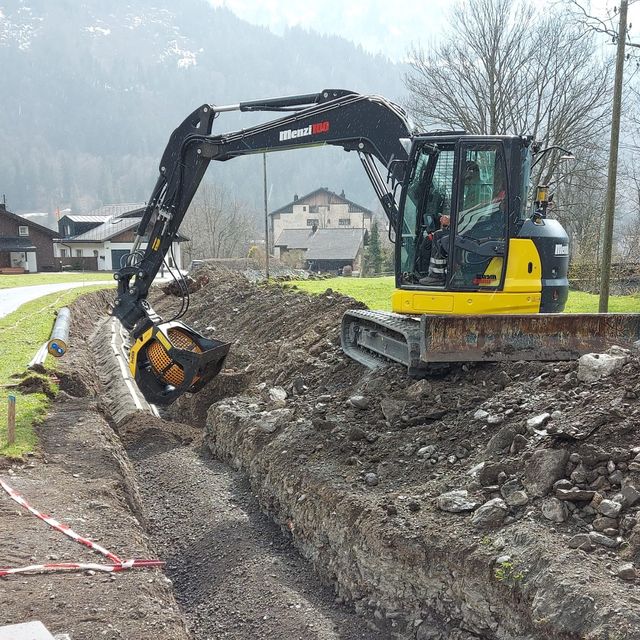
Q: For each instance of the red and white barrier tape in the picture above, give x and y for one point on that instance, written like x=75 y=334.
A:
x=118 y=564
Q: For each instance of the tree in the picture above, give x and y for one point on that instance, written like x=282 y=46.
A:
x=217 y=225
x=502 y=68
x=374 y=255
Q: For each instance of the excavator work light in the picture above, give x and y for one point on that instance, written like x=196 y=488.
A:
x=170 y=358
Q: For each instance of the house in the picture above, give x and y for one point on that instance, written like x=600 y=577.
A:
x=25 y=246
x=322 y=249
x=322 y=209
x=100 y=239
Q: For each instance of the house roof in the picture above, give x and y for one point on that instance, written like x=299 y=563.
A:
x=108 y=229
x=335 y=244
x=16 y=244
x=116 y=210
x=294 y=238
x=332 y=198
x=324 y=244
x=25 y=221
x=84 y=218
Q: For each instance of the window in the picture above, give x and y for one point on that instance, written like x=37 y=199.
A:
x=95 y=253
x=63 y=253
x=478 y=260
x=313 y=222
x=304 y=208
x=67 y=229
x=78 y=253
x=344 y=222
x=23 y=230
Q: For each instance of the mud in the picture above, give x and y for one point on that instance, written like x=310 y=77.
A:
x=357 y=482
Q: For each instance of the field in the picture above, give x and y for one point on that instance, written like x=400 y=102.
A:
x=376 y=294
x=32 y=279
x=21 y=334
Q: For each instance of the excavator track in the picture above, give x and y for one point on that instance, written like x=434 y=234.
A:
x=430 y=342
x=374 y=338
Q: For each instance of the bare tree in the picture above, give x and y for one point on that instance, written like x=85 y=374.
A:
x=502 y=68
x=218 y=225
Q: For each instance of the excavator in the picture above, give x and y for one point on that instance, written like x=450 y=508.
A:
x=500 y=285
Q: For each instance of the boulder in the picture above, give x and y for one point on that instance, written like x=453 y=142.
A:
x=490 y=515
x=545 y=467
x=456 y=501
x=594 y=366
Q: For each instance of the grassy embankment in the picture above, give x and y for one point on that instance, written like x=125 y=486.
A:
x=32 y=279
x=21 y=335
x=376 y=294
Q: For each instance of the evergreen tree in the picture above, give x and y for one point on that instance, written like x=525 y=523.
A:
x=374 y=255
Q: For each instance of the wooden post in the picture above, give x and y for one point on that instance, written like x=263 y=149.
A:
x=11 y=421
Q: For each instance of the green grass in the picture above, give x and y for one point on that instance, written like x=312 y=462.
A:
x=32 y=279
x=376 y=294
x=21 y=335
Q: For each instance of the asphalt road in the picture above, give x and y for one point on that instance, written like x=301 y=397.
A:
x=11 y=299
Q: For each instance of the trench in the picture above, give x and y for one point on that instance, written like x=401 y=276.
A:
x=235 y=572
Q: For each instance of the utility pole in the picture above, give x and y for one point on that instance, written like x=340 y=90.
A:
x=266 y=217
x=610 y=205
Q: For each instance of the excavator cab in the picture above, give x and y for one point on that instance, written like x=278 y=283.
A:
x=468 y=196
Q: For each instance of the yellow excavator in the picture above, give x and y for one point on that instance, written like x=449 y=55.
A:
x=480 y=274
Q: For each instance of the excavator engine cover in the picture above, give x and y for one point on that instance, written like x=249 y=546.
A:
x=170 y=359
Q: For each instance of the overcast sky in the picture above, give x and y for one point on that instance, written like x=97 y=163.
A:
x=379 y=26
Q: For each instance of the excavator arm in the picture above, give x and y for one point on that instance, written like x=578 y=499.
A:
x=170 y=358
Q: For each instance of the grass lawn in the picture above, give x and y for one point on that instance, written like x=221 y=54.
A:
x=31 y=279
x=376 y=294
x=21 y=335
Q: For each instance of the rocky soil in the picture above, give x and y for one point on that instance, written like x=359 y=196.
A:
x=496 y=501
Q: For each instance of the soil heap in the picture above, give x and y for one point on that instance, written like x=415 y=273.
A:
x=494 y=501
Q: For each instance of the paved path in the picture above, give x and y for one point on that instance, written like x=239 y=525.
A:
x=11 y=299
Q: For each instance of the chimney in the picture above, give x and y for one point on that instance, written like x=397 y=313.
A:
x=295 y=197
x=3 y=204
x=342 y=194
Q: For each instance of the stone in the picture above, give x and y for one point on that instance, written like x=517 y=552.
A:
x=513 y=493
x=543 y=469
x=609 y=508
x=626 y=571
x=579 y=474
x=519 y=443
x=277 y=394
x=554 y=510
x=634 y=466
x=371 y=479
x=480 y=414
x=490 y=515
x=359 y=402
x=630 y=494
x=575 y=495
x=418 y=390
x=594 y=366
x=562 y=484
x=427 y=451
x=392 y=409
x=605 y=541
x=601 y=523
x=537 y=422
x=495 y=419
x=580 y=541
x=501 y=440
x=616 y=478
x=356 y=434
x=456 y=501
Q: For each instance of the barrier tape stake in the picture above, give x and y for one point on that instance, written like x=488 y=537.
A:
x=11 y=421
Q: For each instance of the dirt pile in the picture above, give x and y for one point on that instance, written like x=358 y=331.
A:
x=497 y=501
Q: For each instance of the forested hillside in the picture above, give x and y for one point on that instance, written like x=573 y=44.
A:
x=91 y=91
